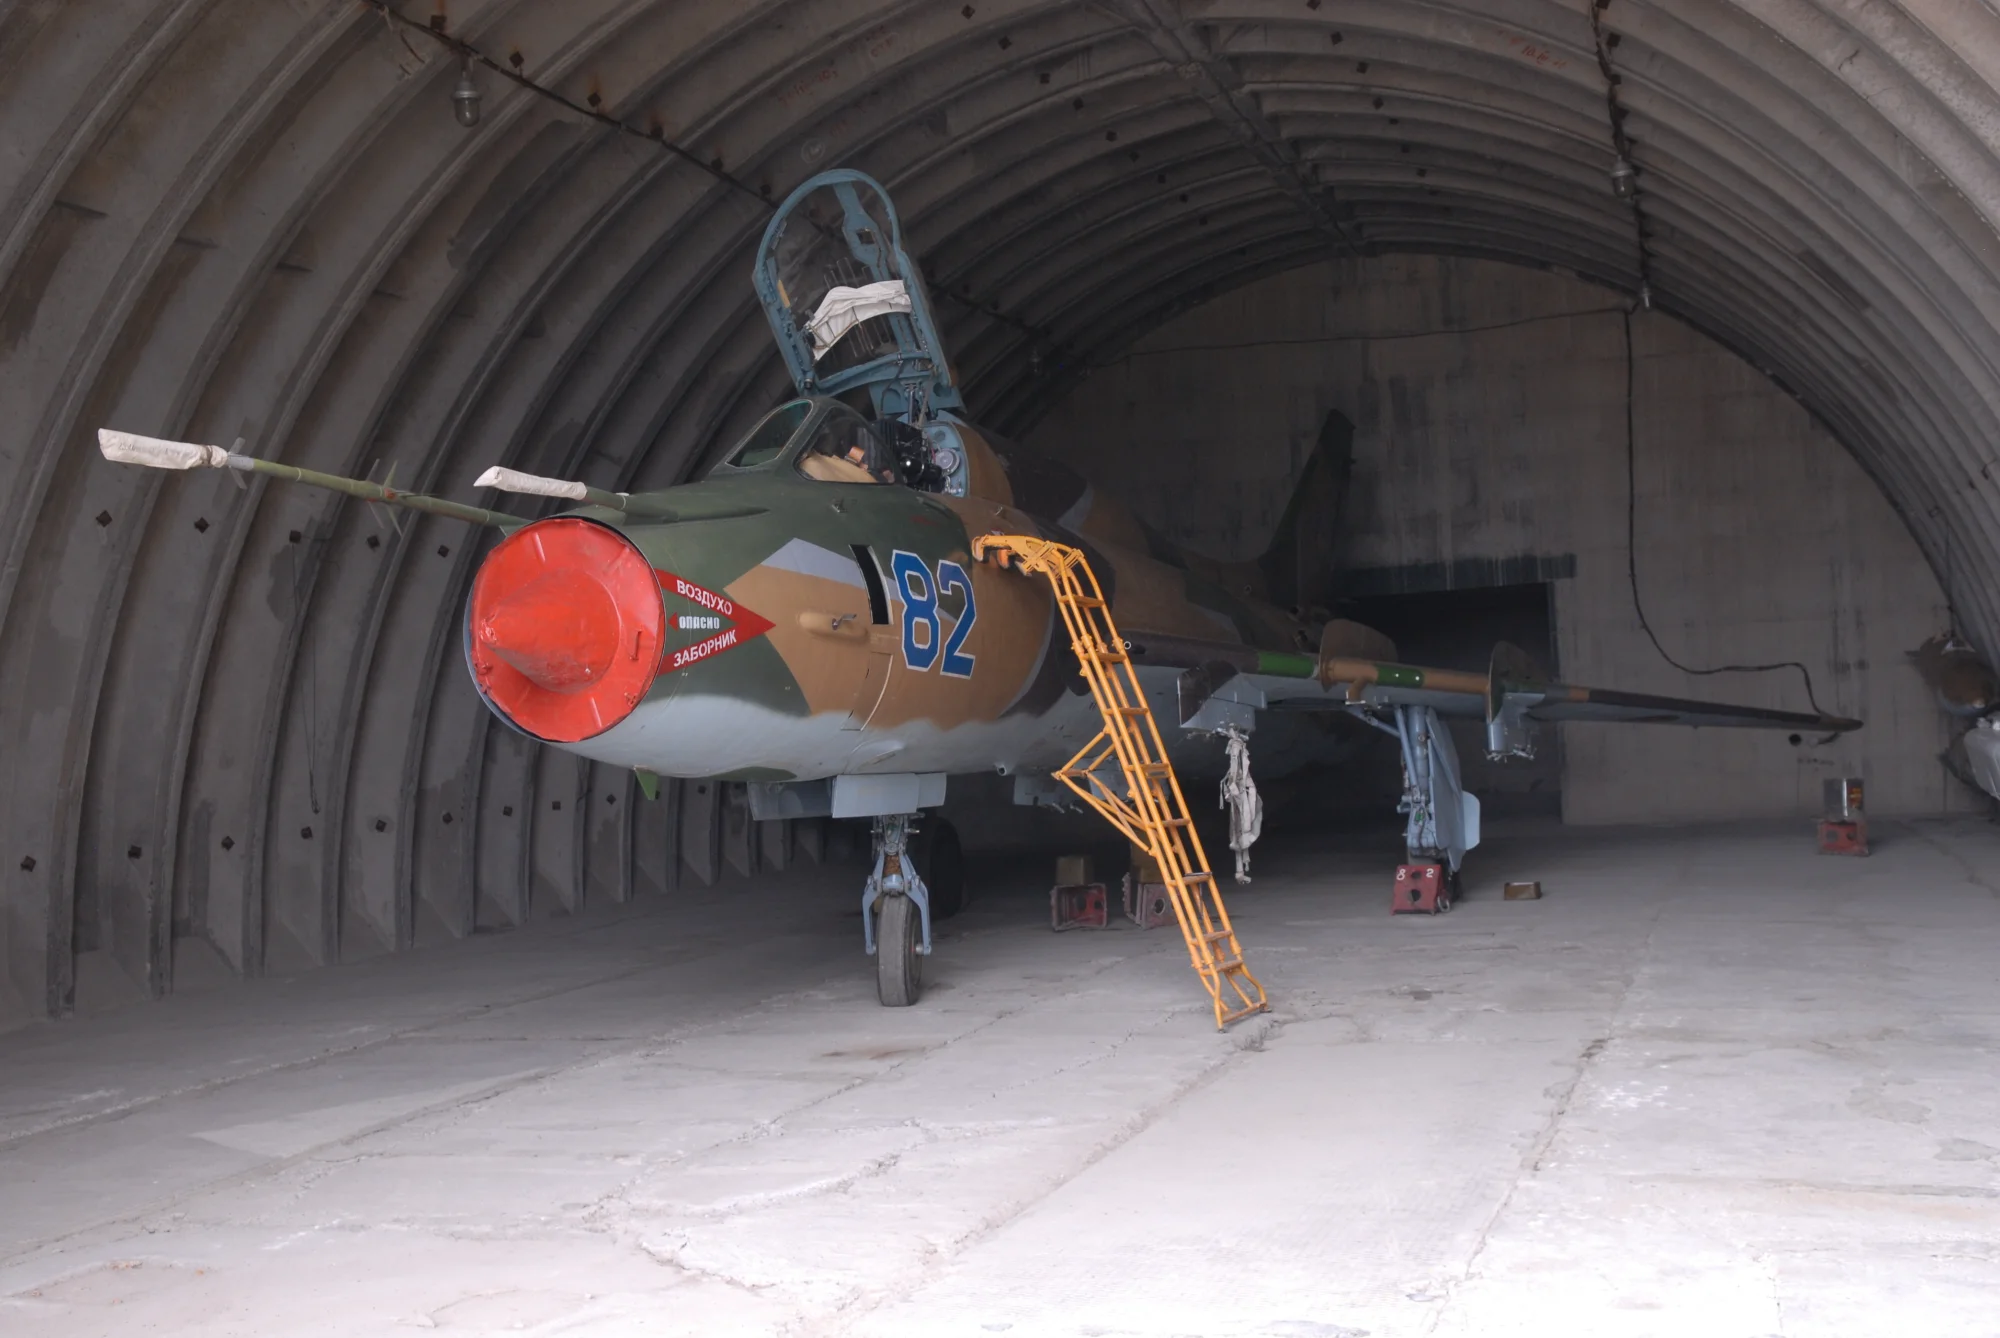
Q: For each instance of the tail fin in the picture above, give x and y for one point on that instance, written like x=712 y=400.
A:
x=1300 y=565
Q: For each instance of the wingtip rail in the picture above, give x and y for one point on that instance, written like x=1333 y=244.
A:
x=1152 y=812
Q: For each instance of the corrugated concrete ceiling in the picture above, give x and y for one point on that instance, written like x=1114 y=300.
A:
x=240 y=716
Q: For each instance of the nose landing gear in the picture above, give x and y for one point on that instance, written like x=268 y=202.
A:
x=898 y=903
x=896 y=893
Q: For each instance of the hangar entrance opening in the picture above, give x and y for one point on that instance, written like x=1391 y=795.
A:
x=1457 y=629
x=1669 y=338
x=1164 y=241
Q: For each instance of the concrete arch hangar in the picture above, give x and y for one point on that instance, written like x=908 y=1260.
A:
x=239 y=715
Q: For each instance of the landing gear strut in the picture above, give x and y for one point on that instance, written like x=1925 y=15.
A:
x=918 y=877
x=1442 y=819
x=896 y=893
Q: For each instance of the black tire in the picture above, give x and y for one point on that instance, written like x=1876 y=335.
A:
x=898 y=967
x=941 y=864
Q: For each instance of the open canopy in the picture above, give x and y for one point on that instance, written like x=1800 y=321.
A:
x=845 y=301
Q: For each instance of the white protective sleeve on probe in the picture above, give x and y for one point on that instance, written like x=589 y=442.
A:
x=512 y=480
x=128 y=448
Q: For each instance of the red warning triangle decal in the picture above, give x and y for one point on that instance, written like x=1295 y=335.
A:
x=727 y=623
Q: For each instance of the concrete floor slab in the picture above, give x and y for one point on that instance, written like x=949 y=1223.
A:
x=1711 y=1083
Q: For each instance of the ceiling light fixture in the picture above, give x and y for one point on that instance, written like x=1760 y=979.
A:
x=1624 y=178
x=465 y=97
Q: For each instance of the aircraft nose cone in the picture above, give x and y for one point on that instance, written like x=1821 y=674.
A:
x=559 y=631
x=564 y=628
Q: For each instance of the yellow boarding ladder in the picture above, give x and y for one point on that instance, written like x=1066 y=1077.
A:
x=1152 y=813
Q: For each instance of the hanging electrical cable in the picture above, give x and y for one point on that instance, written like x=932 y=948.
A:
x=1632 y=552
x=1625 y=185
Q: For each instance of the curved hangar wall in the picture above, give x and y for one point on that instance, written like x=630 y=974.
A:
x=239 y=718
x=1489 y=447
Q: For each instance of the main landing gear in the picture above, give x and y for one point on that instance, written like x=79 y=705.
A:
x=919 y=876
x=1443 y=820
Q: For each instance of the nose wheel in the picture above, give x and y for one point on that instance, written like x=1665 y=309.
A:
x=896 y=912
x=918 y=878
x=899 y=967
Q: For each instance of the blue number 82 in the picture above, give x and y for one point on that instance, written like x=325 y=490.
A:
x=920 y=591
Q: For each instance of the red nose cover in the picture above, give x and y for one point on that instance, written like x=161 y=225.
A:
x=566 y=622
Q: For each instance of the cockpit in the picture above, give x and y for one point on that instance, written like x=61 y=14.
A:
x=845 y=448
x=828 y=442
x=767 y=441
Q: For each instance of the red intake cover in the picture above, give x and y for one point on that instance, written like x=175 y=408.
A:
x=566 y=622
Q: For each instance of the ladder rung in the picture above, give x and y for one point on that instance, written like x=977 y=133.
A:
x=1132 y=710
x=1086 y=602
x=1218 y=936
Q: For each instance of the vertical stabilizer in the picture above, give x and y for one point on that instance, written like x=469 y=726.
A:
x=1300 y=565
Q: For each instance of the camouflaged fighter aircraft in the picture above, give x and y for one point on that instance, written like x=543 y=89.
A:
x=808 y=616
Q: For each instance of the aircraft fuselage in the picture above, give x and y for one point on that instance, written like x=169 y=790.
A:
x=813 y=626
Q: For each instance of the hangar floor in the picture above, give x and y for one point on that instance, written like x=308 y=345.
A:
x=1710 y=1084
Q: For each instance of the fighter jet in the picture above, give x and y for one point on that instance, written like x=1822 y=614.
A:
x=808 y=615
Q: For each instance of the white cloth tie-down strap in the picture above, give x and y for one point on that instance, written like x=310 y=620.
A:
x=1240 y=797
x=844 y=308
